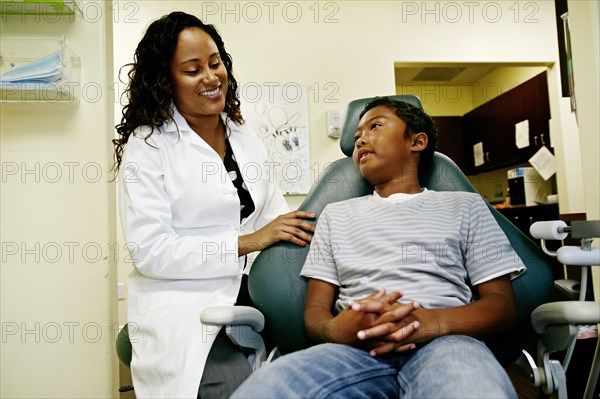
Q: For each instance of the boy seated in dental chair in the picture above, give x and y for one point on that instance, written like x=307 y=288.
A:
x=417 y=278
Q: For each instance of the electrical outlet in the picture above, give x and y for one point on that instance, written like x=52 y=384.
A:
x=334 y=123
x=120 y=291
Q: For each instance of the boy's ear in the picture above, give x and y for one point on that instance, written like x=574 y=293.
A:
x=419 y=141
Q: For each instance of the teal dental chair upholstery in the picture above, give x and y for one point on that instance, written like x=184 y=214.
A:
x=278 y=291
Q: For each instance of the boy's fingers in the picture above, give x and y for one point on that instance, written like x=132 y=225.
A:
x=404 y=332
x=383 y=349
x=391 y=347
x=390 y=331
x=367 y=306
x=405 y=348
x=406 y=309
x=379 y=294
x=379 y=330
x=399 y=312
x=393 y=296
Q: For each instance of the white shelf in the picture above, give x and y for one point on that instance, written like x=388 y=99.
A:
x=39 y=7
x=19 y=52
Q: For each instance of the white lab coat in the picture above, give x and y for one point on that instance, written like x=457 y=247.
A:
x=180 y=214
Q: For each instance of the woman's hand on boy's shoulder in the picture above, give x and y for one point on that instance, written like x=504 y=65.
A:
x=292 y=227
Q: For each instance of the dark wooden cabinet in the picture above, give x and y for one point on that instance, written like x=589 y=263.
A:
x=451 y=140
x=493 y=125
x=524 y=216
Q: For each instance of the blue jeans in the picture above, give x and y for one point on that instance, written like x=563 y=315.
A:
x=447 y=367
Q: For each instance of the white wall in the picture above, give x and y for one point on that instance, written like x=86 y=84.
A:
x=585 y=40
x=58 y=275
x=585 y=32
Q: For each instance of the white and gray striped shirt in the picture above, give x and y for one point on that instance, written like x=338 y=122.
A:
x=433 y=246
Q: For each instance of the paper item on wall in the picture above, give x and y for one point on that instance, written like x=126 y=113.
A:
x=522 y=134
x=278 y=112
x=544 y=163
x=478 y=154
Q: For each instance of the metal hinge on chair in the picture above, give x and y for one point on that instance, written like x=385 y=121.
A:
x=550 y=377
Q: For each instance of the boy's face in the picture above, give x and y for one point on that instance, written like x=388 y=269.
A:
x=381 y=150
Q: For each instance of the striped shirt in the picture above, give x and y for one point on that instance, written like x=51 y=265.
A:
x=434 y=247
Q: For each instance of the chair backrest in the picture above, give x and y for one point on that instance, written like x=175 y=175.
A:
x=278 y=291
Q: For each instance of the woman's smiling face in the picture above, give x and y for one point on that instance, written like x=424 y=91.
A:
x=198 y=76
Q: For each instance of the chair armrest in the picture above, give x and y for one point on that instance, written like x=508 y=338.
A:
x=243 y=324
x=567 y=312
x=233 y=315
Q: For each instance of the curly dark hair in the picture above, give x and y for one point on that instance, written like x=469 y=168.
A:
x=149 y=89
x=416 y=121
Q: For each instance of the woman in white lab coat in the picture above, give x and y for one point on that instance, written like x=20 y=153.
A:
x=196 y=195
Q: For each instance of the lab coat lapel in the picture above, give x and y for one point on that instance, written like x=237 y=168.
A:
x=178 y=124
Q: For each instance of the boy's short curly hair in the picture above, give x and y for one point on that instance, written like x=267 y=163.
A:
x=416 y=121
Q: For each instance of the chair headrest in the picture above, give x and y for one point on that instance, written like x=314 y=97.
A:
x=353 y=116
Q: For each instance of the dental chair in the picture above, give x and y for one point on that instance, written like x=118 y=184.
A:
x=278 y=291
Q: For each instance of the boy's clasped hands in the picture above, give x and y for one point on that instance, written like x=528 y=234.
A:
x=379 y=323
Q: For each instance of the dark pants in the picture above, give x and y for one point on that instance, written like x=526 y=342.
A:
x=226 y=368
